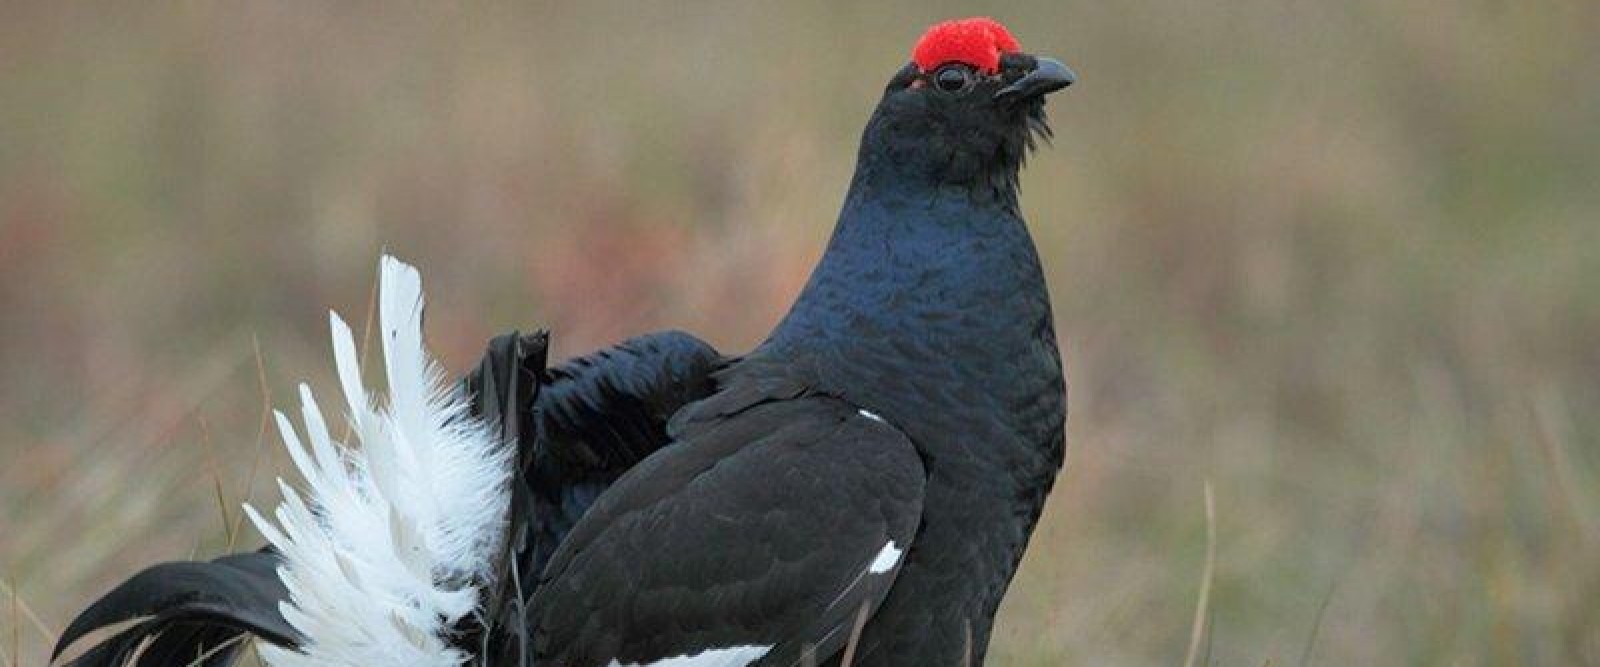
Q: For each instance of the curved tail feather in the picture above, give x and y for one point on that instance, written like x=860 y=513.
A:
x=187 y=610
x=379 y=558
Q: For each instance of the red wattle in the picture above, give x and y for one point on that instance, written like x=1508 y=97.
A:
x=977 y=41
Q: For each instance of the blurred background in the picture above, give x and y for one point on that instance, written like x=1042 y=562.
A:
x=1342 y=260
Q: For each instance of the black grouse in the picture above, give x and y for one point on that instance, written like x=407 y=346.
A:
x=864 y=482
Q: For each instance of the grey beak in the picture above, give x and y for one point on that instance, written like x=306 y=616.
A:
x=1047 y=77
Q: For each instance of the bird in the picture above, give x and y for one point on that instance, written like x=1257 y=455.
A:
x=857 y=489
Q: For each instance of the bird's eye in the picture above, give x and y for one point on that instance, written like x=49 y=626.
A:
x=953 y=79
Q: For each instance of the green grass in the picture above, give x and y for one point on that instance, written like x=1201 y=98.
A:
x=1339 y=259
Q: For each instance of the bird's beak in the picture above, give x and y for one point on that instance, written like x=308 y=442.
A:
x=1048 y=76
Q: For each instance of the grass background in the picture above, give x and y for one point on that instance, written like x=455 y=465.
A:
x=1340 y=259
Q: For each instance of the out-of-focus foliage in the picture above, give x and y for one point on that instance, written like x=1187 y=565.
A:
x=1342 y=259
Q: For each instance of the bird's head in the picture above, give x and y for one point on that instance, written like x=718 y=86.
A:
x=966 y=109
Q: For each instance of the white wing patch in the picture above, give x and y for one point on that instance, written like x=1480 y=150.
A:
x=886 y=559
x=871 y=415
x=735 y=656
x=391 y=543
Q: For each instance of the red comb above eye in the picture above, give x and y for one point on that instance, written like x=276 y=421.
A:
x=976 y=41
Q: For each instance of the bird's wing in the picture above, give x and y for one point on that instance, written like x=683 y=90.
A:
x=762 y=535
x=578 y=427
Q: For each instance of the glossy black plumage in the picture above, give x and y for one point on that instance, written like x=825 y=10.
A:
x=755 y=528
x=187 y=610
x=670 y=502
x=581 y=425
x=928 y=311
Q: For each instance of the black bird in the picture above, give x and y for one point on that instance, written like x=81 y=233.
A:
x=864 y=481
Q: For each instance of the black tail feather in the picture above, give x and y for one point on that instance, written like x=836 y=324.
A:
x=186 y=610
x=197 y=612
x=504 y=389
x=577 y=427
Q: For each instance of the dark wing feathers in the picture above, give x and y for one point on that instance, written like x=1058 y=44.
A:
x=758 y=528
x=589 y=419
x=604 y=412
x=188 y=607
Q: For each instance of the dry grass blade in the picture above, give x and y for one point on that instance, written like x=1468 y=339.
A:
x=210 y=449
x=261 y=438
x=21 y=605
x=138 y=651
x=1316 y=627
x=16 y=624
x=200 y=660
x=966 y=643
x=1551 y=430
x=1203 y=605
x=855 y=637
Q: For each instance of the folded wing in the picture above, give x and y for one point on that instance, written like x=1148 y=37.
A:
x=758 y=536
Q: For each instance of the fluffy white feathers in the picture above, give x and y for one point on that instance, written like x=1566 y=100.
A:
x=392 y=542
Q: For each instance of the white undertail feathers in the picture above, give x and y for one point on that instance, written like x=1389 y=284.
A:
x=391 y=543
